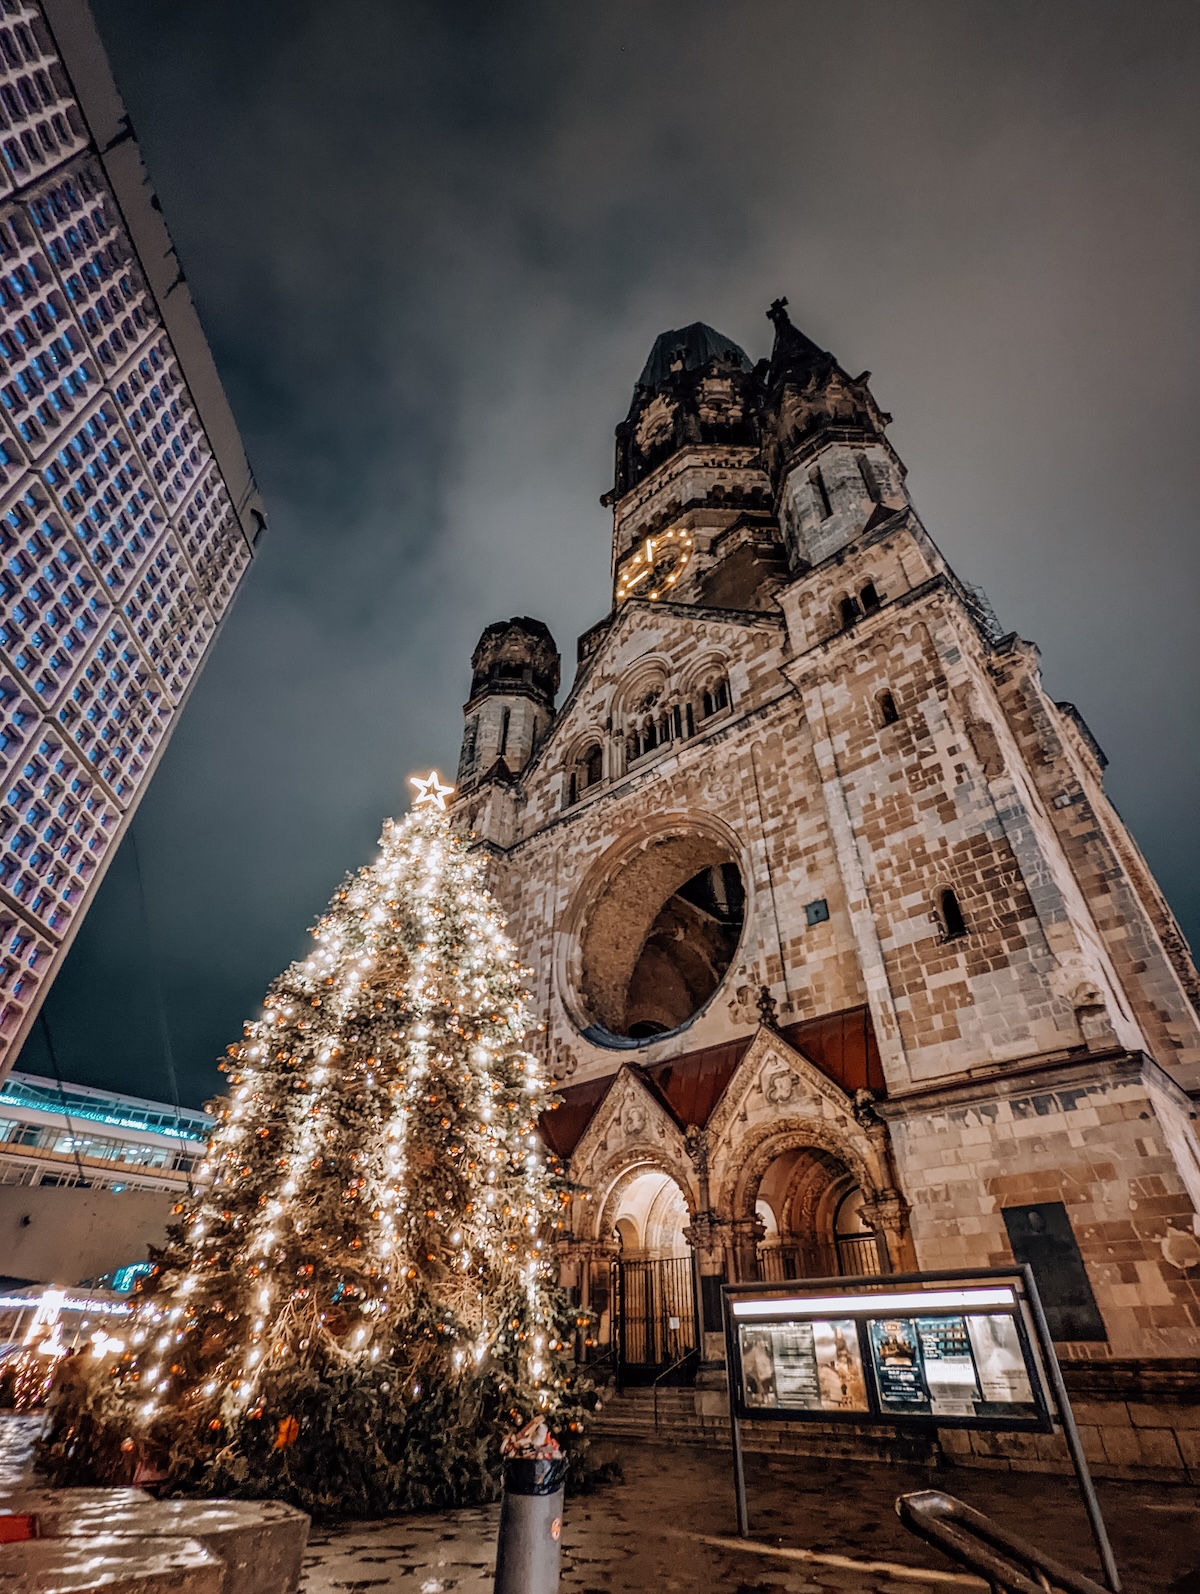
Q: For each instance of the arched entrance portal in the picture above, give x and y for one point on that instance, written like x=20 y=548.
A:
x=810 y=1208
x=653 y=1290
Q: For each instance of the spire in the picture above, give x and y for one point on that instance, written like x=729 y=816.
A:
x=794 y=352
x=688 y=349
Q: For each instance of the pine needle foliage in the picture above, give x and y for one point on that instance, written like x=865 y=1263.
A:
x=359 y=1304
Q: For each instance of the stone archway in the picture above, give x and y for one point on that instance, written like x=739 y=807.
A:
x=646 y=1303
x=790 y=1204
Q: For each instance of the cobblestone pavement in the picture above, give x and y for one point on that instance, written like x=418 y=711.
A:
x=662 y=1529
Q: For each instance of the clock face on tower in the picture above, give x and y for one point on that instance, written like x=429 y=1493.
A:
x=653 y=566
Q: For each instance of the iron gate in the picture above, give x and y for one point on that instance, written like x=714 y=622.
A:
x=847 y=1255
x=653 y=1317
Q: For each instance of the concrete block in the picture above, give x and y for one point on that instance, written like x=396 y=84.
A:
x=1121 y=1446
x=110 y=1565
x=260 y=1543
x=1100 y=1413
x=51 y=1506
x=1151 y=1416
x=1158 y=1448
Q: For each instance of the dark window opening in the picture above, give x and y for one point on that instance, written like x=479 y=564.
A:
x=849 y=611
x=691 y=721
x=504 y=724
x=817 y=482
x=888 y=712
x=660 y=939
x=572 y=790
x=645 y=1027
x=869 y=598
x=593 y=766
x=953 y=923
x=714 y=698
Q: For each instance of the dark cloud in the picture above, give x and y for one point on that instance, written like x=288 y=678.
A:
x=431 y=244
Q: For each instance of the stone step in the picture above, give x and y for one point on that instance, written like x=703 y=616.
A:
x=701 y=1417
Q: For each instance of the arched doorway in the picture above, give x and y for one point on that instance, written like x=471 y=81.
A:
x=809 y=1206
x=652 y=1297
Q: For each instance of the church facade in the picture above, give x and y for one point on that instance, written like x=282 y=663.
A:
x=846 y=963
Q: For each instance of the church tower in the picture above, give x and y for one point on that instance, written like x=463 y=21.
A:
x=845 y=960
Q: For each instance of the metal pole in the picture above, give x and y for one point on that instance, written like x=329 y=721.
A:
x=739 y=1477
x=735 y=1432
x=1067 y=1417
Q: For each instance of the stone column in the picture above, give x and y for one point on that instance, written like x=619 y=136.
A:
x=887 y=1210
x=708 y=1238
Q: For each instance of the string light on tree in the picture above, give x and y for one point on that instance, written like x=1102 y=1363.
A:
x=360 y=1302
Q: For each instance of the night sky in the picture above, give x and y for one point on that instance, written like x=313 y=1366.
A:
x=431 y=244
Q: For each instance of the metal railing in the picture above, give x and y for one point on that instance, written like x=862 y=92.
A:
x=675 y=1367
x=1009 y=1563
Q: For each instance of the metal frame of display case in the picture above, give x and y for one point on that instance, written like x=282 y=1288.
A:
x=898 y=1295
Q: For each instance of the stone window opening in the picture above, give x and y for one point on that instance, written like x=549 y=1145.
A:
x=868 y=476
x=888 y=712
x=849 y=612
x=505 y=722
x=659 y=939
x=950 y=916
x=869 y=598
x=657 y=730
x=817 y=482
x=593 y=765
x=715 y=697
x=469 y=757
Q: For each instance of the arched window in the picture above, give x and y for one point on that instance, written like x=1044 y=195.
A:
x=849 y=612
x=593 y=765
x=869 y=598
x=888 y=712
x=642 y=739
x=953 y=923
x=571 y=795
x=715 y=697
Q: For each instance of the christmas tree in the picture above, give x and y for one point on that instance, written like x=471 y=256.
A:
x=360 y=1302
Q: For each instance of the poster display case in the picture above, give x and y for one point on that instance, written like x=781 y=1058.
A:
x=960 y=1356
x=940 y=1350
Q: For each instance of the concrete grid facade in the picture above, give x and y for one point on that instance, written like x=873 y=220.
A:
x=827 y=910
x=127 y=511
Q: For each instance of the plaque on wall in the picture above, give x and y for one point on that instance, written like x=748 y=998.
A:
x=1041 y=1236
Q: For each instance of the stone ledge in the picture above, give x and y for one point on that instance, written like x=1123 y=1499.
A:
x=1171 y=1381
x=112 y=1564
x=260 y=1543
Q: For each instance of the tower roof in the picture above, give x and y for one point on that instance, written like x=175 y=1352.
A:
x=794 y=351
x=695 y=345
